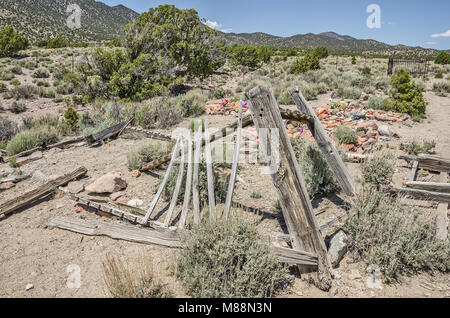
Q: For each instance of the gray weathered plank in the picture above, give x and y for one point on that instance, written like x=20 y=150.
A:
x=422 y=194
x=162 y=186
x=40 y=192
x=442 y=221
x=414 y=171
x=177 y=190
x=289 y=183
x=210 y=175
x=195 y=181
x=237 y=151
x=430 y=186
x=187 y=190
x=325 y=144
x=295 y=257
x=428 y=162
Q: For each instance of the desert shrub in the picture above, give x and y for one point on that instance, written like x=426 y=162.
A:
x=3 y=87
x=71 y=118
x=220 y=183
x=318 y=176
x=219 y=93
x=8 y=129
x=11 y=42
x=376 y=103
x=29 y=139
x=23 y=92
x=18 y=107
x=442 y=58
x=126 y=281
x=6 y=76
x=351 y=93
x=309 y=62
x=353 y=60
x=15 y=82
x=397 y=238
x=415 y=148
x=439 y=75
x=48 y=120
x=192 y=103
x=228 y=259
x=346 y=135
x=321 y=52
x=162 y=113
x=442 y=88
x=379 y=169
x=41 y=73
x=139 y=157
x=16 y=69
x=407 y=96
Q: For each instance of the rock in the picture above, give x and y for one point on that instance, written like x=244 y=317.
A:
x=354 y=274
x=384 y=131
x=75 y=187
x=338 y=248
x=364 y=96
x=53 y=151
x=136 y=174
x=109 y=183
x=135 y=203
x=38 y=175
x=26 y=160
x=116 y=195
x=29 y=287
x=7 y=186
x=79 y=208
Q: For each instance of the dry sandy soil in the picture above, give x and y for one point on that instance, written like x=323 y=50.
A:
x=31 y=253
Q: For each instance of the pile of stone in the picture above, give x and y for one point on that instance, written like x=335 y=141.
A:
x=224 y=107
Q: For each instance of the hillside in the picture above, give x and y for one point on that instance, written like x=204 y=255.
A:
x=330 y=40
x=43 y=19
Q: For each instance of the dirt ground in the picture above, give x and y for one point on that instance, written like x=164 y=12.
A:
x=33 y=254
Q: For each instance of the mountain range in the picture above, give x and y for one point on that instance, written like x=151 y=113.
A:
x=44 y=19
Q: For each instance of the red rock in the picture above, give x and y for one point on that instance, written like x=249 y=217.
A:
x=348 y=146
x=7 y=186
x=109 y=183
x=79 y=208
x=136 y=174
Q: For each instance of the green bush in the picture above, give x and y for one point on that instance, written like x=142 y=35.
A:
x=353 y=60
x=439 y=75
x=321 y=52
x=310 y=62
x=11 y=42
x=71 y=118
x=23 y=92
x=376 y=103
x=228 y=259
x=415 y=148
x=41 y=73
x=379 y=169
x=366 y=70
x=407 y=96
x=346 y=135
x=442 y=88
x=144 y=155
x=442 y=58
x=18 y=107
x=317 y=174
x=397 y=238
x=32 y=138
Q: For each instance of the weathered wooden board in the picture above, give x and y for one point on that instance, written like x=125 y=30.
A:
x=422 y=194
x=107 y=133
x=124 y=232
x=231 y=185
x=177 y=190
x=294 y=257
x=188 y=188
x=414 y=171
x=325 y=144
x=40 y=192
x=432 y=163
x=149 y=133
x=210 y=176
x=430 y=186
x=289 y=183
x=195 y=180
x=442 y=221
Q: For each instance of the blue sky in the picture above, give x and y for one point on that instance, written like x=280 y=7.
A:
x=423 y=23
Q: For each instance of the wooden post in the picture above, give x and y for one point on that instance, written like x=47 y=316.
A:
x=187 y=190
x=176 y=193
x=210 y=176
x=237 y=151
x=195 y=184
x=390 y=66
x=325 y=144
x=442 y=221
x=290 y=185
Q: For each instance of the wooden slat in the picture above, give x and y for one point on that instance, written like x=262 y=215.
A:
x=295 y=257
x=422 y=194
x=210 y=176
x=414 y=171
x=188 y=188
x=289 y=183
x=237 y=151
x=125 y=232
x=40 y=192
x=195 y=184
x=176 y=193
x=107 y=133
x=149 y=133
x=325 y=144
x=430 y=186
x=442 y=221
x=432 y=163
x=162 y=186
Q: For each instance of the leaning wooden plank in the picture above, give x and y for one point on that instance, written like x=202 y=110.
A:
x=195 y=181
x=422 y=194
x=15 y=179
x=162 y=186
x=432 y=163
x=187 y=190
x=107 y=133
x=325 y=144
x=66 y=143
x=210 y=176
x=296 y=115
x=149 y=133
x=40 y=192
x=28 y=152
x=177 y=190
x=289 y=183
x=124 y=232
x=414 y=171
x=230 y=193
x=442 y=221
x=430 y=186
x=295 y=257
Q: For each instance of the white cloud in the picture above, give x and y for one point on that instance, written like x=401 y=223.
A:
x=215 y=25
x=431 y=43
x=445 y=34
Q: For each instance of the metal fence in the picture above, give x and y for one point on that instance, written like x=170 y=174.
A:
x=418 y=67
